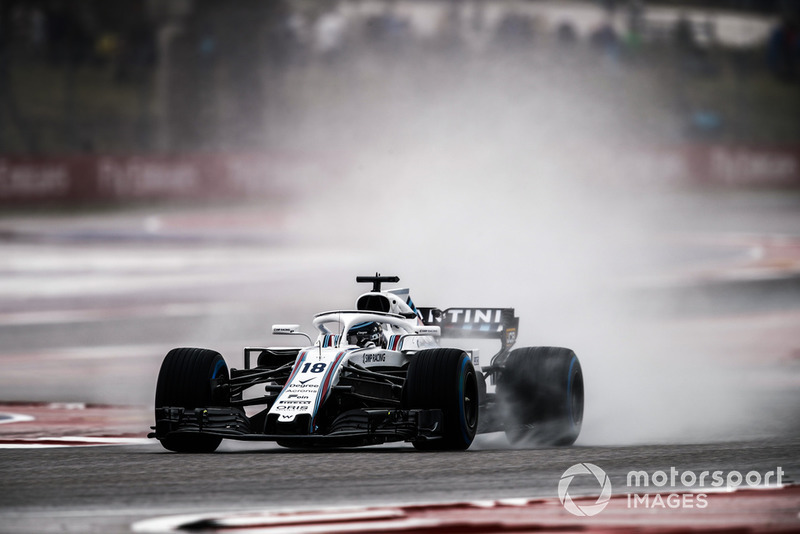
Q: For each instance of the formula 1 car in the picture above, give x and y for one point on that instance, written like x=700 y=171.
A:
x=374 y=374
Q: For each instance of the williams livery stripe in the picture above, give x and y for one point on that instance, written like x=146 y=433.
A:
x=329 y=340
x=414 y=309
x=325 y=387
x=296 y=369
x=297 y=366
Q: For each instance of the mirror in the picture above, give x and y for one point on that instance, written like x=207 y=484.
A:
x=285 y=329
x=428 y=330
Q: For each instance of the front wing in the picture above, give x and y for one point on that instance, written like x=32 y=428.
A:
x=354 y=427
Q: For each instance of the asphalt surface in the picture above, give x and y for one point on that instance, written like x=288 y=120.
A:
x=700 y=381
x=106 y=489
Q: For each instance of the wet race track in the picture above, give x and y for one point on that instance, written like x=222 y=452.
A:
x=107 y=489
x=695 y=366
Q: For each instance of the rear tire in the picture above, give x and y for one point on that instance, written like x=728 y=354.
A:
x=444 y=379
x=541 y=396
x=187 y=380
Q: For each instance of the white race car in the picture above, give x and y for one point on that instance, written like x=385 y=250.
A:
x=372 y=375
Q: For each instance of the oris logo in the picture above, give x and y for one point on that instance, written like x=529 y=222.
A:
x=587 y=509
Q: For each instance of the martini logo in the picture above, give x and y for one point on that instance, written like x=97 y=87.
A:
x=586 y=509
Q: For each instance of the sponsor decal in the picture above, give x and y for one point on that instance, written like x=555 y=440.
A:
x=742 y=166
x=511 y=336
x=283 y=330
x=303 y=386
x=476 y=316
x=475 y=319
x=372 y=358
x=429 y=330
x=137 y=177
x=33 y=179
x=290 y=407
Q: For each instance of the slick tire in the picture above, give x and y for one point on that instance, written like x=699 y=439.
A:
x=444 y=379
x=187 y=380
x=541 y=396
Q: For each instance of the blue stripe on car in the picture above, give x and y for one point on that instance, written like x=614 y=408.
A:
x=461 y=380
x=569 y=390
x=220 y=364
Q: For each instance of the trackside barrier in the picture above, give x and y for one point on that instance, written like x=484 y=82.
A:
x=713 y=165
x=88 y=178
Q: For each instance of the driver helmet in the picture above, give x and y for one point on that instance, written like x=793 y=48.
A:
x=366 y=334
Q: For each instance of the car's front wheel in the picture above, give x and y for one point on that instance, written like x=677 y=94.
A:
x=187 y=379
x=444 y=379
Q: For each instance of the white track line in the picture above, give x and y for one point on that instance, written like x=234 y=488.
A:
x=72 y=441
x=15 y=418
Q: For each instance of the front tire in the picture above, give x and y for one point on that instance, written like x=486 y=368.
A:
x=541 y=396
x=444 y=379
x=187 y=380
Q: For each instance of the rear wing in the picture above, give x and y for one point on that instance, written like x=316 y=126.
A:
x=476 y=323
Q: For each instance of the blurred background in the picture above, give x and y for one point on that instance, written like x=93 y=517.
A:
x=624 y=173
x=153 y=77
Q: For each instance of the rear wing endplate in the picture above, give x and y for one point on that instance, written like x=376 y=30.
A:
x=476 y=323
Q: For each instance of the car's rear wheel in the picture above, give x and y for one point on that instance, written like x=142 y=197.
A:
x=541 y=396
x=187 y=379
x=444 y=379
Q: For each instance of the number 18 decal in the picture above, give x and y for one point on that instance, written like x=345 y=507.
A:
x=316 y=368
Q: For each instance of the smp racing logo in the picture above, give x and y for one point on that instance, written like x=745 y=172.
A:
x=372 y=358
x=586 y=509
